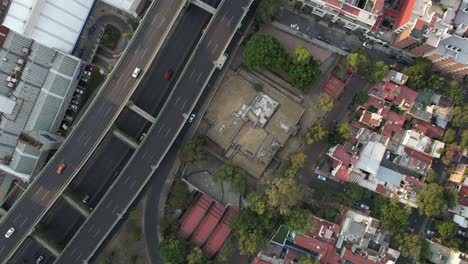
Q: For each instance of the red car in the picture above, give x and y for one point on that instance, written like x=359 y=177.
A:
x=60 y=168
x=168 y=74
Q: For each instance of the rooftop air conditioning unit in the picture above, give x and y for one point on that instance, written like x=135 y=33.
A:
x=26 y=50
x=10 y=85
x=20 y=61
x=17 y=68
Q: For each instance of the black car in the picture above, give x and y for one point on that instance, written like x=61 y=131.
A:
x=403 y=62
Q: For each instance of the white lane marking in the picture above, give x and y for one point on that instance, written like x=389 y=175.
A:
x=183 y=105
x=108 y=204
x=45 y=195
x=107 y=111
x=215 y=48
x=115 y=209
x=161 y=22
x=199 y=76
x=77 y=258
x=87 y=141
x=144 y=155
x=24 y=222
x=126 y=180
x=192 y=72
x=91 y=229
x=230 y=20
x=16 y=218
x=167 y=132
x=178 y=98
x=222 y=19
x=160 y=128
x=97 y=232
x=133 y=184
x=1 y=249
x=209 y=43
x=73 y=252
x=38 y=191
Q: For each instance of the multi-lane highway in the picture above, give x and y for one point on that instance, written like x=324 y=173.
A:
x=161 y=135
x=90 y=130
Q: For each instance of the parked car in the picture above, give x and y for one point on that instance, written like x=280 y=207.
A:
x=89 y=68
x=73 y=107
x=85 y=80
x=87 y=73
x=77 y=95
x=75 y=102
x=69 y=118
x=39 y=259
x=294 y=26
x=365 y=207
x=10 y=232
x=79 y=91
x=322 y=178
x=403 y=62
x=142 y=136
x=367 y=45
x=86 y=198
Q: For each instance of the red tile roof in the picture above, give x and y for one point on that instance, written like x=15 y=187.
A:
x=388 y=91
x=375 y=102
x=406 y=95
x=341 y=161
x=335 y=3
x=193 y=216
x=220 y=234
x=356 y=259
x=333 y=87
x=418 y=155
x=257 y=260
x=429 y=129
x=351 y=9
x=403 y=15
x=208 y=224
x=326 y=251
x=3 y=34
x=381 y=189
x=321 y=227
x=463 y=196
x=394 y=123
x=378 y=6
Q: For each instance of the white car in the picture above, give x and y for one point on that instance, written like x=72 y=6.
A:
x=191 y=118
x=10 y=232
x=79 y=91
x=39 y=259
x=367 y=45
x=294 y=26
x=320 y=177
x=136 y=72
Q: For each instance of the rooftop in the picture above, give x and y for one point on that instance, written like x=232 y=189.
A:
x=371 y=156
x=333 y=87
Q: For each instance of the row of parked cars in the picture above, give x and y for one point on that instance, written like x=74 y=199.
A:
x=77 y=101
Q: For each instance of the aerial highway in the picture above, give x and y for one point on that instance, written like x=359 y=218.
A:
x=48 y=186
x=161 y=135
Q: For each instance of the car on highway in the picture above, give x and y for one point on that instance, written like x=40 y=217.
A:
x=168 y=74
x=136 y=72
x=320 y=177
x=86 y=198
x=191 y=118
x=61 y=168
x=10 y=232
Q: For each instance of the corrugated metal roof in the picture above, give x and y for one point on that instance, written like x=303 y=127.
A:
x=371 y=157
x=390 y=176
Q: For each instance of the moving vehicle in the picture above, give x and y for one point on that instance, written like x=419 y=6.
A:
x=168 y=74
x=136 y=72
x=61 y=168
x=191 y=118
x=86 y=198
x=10 y=232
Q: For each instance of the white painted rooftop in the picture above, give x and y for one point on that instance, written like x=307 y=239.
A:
x=56 y=24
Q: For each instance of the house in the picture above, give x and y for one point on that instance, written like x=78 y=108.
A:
x=424 y=144
x=342 y=163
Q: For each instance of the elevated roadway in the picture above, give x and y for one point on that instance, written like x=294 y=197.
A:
x=161 y=135
x=90 y=130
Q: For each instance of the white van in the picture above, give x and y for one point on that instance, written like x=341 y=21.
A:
x=136 y=72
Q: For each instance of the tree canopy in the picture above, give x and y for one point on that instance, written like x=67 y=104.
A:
x=361 y=98
x=358 y=60
x=264 y=51
x=267 y=8
x=377 y=71
x=195 y=151
x=300 y=220
x=325 y=103
x=434 y=200
x=196 y=257
x=432 y=176
x=410 y=245
x=283 y=193
x=252 y=230
x=318 y=132
x=258 y=202
x=296 y=162
x=174 y=251
x=449 y=136
x=447 y=229
x=460 y=116
x=354 y=191
x=464 y=139
x=300 y=55
x=341 y=133
x=395 y=217
x=231 y=174
x=303 y=76
x=454 y=92
x=420 y=75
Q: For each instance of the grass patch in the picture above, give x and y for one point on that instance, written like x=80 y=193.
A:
x=133 y=23
x=110 y=37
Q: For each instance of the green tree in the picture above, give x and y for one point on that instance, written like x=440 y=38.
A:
x=195 y=150
x=300 y=220
x=296 y=162
x=434 y=200
x=252 y=231
x=447 y=230
x=432 y=176
x=450 y=136
x=395 y=217
x=455 y=92
x=354 y=191
x=231 y=174
x=377 y=71
x=306 y=260
x=303 y=76
x=298 y=6
x=419 y=75
x=267 y=8
x=318 y=132
x=174 y=251
x=341 y=133
x=361 y=98
x=460 y=116
x=464 y=139
x=264 y=51
x=196 y=257
x=283 y=193
x=358 y=60
x=300 y=55
x=258 y=202
x=325 y=103
x=410 y=245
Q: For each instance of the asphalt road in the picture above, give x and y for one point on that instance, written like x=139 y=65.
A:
x=29 y=253
x=160 y=137
x=48 y=185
